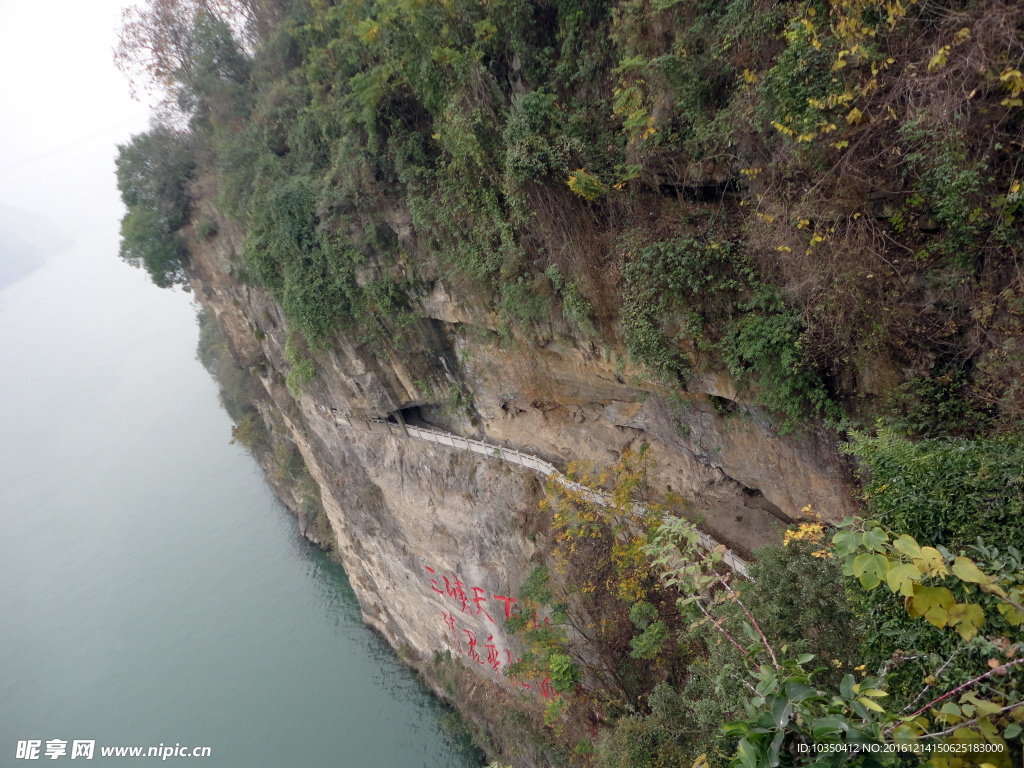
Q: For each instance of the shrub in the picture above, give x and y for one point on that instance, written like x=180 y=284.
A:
x=945 y=491
x=800 y=600
x=693 y=282
x=765 y=343
x=206 y=229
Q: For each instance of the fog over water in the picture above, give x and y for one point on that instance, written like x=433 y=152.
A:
x=152 y=589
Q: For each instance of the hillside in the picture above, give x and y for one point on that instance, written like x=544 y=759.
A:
x=754 y=264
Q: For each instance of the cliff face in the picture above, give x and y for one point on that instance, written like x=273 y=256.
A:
x=436 y=541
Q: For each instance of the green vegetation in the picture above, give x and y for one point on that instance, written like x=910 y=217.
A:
x=699 y=182
x=153 y=171
x=862 y=634
x=945 y=491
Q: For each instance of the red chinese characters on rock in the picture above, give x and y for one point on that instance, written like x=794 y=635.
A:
x=474 y=654
x=545 y=688
x=492 y=654
x=477 y=600
x=449 y=620
x=433 y=582
x=455 y=589
x=508 y=605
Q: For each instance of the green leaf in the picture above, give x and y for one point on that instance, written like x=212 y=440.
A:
x=1012 y=731
x=797 y=692
x=746 y=754
x=908 y=546
x=846 y=543
x=875 y=539
x=902 y=578
x=782 y=708
x=870 y=569
x=965 y=569
x=869 y=581
x=848 y=565
x=736 y=728
x=773 y=753
x=876 y=564
x=846 y=686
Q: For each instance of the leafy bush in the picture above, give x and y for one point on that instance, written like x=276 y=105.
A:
x=575 y=306
x=765 y=341
x=934 y=405
x=800 y=600
x=302 y=371
x=945 y=491
x=690 y=281
x=146 y=242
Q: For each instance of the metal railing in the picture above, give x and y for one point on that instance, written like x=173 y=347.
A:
x=535 y=463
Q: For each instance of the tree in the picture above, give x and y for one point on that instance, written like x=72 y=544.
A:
x=153 y=171
x=793 y=720
x=188 y=50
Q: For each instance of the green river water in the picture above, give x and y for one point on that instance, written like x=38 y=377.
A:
x=152 y=589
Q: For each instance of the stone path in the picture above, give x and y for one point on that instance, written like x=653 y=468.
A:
x=528 y=461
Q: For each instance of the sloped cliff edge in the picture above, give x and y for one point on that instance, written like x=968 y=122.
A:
x=437 y=542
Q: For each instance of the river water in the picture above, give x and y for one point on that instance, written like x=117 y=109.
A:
x=153 y=591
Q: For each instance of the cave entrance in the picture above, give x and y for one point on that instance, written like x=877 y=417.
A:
x=755 y=498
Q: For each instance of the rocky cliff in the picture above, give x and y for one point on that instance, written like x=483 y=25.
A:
x=436 y=542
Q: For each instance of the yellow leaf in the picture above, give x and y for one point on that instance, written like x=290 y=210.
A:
x=871 y=704
x=939 y=59
x=930 y=563
x=841 y=144
x=1013 y=617
x=965 y=569
x=933 y=603
x=854 y=117
x=967 y=618
x=993 y=589
x=785 y=248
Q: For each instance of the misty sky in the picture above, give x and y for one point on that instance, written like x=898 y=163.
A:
x=63 y=108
